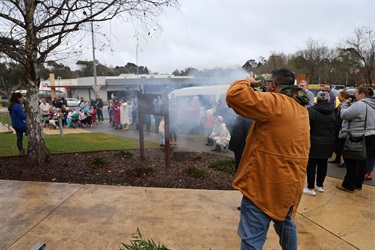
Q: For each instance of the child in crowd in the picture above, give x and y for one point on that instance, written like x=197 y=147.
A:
x=82 y=118
x=69 y=117
x=220 y=135
x=52 y=122
x=75 y=120
x=93 y=115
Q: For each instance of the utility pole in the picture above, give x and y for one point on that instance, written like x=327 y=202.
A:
x=93 y=47
x=136 y=59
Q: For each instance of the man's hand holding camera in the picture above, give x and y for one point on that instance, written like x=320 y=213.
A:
x=251 y=79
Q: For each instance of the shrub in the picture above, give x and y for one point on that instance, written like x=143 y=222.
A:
x=5 y=103
x=225 y=165
x=196 y=172
x=140 y=171
x=96 y=163
x=138 y=243
x=124 y=154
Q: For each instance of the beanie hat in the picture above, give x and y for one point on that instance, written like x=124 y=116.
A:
x=322 y=96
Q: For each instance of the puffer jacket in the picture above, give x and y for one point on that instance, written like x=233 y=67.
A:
x=322 y=130
x=18 y=117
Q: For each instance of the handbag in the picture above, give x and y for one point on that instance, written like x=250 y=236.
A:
x=355 y=147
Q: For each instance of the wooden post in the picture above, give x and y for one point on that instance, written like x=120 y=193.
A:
x=52 y=85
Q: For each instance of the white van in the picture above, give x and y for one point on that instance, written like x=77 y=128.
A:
x=205 y=91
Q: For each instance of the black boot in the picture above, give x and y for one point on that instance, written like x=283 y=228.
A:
x=209 y=142
x=343 y=165
x=216 y=149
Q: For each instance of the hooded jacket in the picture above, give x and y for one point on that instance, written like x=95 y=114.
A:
x=272 y=170
x=354 y=121
x=356 y=114
x=220 y=130
x=322 y=130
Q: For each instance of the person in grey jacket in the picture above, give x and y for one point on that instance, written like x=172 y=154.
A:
x=355 y=121
x=304 y=85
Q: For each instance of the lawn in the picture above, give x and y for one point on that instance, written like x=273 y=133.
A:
x=5 y=118
x=74 y=143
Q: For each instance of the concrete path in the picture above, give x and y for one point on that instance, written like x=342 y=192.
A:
x=70 y=216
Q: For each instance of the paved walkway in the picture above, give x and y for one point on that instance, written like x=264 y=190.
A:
x=74 y=216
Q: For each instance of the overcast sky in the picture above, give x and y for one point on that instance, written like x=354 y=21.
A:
x=216 y=33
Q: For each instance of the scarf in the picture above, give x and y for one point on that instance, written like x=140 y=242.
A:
x=296 y=93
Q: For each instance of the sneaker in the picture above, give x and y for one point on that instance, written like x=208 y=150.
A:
x=309 y=191
x=319 y=189
x=335 y=161
x=368 y=175
x=340 y=187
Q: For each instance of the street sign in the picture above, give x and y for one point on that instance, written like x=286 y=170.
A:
x=96 y=88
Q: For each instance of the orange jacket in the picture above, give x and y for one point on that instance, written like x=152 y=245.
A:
x=273 y=166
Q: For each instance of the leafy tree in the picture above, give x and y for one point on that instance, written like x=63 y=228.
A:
x=36 y=30
x=12 y=77
x=60 y=70
x=131 y=68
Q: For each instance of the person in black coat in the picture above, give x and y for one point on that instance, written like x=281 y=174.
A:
x=237 y=141
x=322 y=138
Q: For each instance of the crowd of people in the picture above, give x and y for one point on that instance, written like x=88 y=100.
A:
x=280 y=138
x=280 y=141
x=57 y=113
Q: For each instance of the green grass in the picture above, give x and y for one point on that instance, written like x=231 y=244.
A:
x=226 y=165
x=86 y=142
x=5 y=118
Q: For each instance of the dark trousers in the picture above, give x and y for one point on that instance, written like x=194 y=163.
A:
x=19 y=134
x=355 y=174
x=172 y=133
x=339 y=147
x=99 y=113
x=237 y=156
x=318 y=166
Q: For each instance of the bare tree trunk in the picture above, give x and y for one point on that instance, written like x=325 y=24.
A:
x=37 y=151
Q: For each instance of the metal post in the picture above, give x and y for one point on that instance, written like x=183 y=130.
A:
x=61 y=127
x=93 y=46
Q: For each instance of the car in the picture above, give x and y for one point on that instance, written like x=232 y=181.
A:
x=72 y=102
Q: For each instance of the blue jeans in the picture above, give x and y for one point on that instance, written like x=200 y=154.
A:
x=254 y=224
x=162 y=138
x=19 y=134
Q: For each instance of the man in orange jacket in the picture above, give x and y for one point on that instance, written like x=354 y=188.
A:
x=272 y=170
